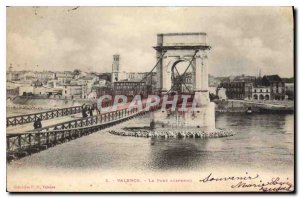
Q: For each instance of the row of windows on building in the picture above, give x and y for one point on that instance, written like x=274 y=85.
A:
x=261 y=90
x=275 y=90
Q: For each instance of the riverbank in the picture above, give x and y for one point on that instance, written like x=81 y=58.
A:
x=27 y=102
x=241 y=106
x=145 y=132
x=231 y=106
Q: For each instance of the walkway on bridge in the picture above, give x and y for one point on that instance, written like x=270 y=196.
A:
x=47 y=115
x=45 y=123
x=22 y=144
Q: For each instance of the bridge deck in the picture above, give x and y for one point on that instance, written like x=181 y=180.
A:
x=52 y=114
x=29 y=126
x=46 y=115
x=22 y=144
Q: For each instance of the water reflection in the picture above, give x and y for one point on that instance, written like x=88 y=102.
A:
x=260 y=141
x=177 y=153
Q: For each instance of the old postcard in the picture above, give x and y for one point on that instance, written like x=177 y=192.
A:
x=150 y=99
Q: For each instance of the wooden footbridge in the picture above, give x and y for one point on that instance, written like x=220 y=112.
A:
x=22 y=144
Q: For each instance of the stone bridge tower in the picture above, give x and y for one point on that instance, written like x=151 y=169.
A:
x=173 y=48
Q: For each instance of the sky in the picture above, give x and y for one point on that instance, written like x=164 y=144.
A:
x=243 y=39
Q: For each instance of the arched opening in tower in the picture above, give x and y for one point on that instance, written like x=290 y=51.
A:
x=182 y=77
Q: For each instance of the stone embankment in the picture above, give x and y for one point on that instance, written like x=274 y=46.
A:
x=19 y=106
x=44 y=104
x=241 y=106
x=172 y=133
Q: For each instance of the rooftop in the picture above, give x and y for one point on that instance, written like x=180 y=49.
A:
x=273 y=78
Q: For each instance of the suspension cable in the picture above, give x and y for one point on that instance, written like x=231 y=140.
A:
x=154 y=66
x=183 y=82
x=181 y=76
x=162 y=55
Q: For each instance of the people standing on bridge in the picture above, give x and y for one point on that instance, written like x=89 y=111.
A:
x=84 y=114
x=37 y=124
x=98 y=110
x=91 y=111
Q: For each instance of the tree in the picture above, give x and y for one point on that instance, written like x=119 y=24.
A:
x=76 y=72
x=213 y=96
x=290 y=94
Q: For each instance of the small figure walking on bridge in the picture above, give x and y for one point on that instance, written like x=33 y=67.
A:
x=91 y=109
x=84 y=114
x=37 y=124
x=98 y=110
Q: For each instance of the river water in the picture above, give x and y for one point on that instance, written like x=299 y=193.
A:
x=262 y=141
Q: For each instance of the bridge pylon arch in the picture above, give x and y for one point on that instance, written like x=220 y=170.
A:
x=192 y=47
x=177 y=47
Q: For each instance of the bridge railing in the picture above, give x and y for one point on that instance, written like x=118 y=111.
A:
x=82 y=122
x=47 y=115
x=27 y=118
x=18 y=143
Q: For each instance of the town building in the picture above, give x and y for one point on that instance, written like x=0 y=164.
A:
x=238 y=90
x=26 y=90
x=64 y=77
x=289 y=91
x=102 y=83
x=244 y=78
x=149 y=78
x=74 y=91
x=274 y=84
x=261 y=93
x=44 y=75
x=92 y=95
x=136 y=76
x=85 y=80
x=221 y=93
x=37 y=83
x=131 y=88
x=101 y=91
x=11 y=93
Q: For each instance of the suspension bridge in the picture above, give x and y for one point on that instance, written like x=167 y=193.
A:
x=171 y=49
x=19 y=145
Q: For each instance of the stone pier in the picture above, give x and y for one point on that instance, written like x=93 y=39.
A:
x=191 y=48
